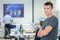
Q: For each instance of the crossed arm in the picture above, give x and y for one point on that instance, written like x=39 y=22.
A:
x=44 y=32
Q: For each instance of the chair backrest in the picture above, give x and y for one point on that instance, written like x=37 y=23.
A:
x=13 y=26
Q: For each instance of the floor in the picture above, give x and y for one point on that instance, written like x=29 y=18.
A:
x=14 y=39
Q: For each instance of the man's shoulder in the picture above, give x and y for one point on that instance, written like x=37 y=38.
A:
x=54 y=18
x=7 y=16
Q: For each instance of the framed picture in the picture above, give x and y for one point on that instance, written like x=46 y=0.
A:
x=15 y=10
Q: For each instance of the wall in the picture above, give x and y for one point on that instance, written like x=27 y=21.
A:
x=27 y=10
x=38 y=10
x=58 y=8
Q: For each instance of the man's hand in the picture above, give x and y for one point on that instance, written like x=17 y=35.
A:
x=39 y=34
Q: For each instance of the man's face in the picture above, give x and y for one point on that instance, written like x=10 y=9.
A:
x=47 y=10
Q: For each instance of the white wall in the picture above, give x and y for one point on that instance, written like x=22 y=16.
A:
x=27 y=10
x=38 y=10
x=58 y=8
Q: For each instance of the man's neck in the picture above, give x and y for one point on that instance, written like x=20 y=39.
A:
x=49 y=16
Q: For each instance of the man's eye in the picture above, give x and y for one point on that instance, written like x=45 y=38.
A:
x=47 y=8
x=44 y=8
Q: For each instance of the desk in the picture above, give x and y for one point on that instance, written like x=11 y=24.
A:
x=24 y=34
x=29 y=34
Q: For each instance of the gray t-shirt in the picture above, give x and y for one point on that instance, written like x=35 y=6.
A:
x=53 y=22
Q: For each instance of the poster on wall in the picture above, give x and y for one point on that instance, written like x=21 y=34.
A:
x=15 y=10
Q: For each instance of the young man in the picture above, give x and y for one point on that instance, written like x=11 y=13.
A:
x=7 y=20
x=49 y=29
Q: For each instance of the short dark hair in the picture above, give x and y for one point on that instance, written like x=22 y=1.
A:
x=49 y=3
x=7 y=12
